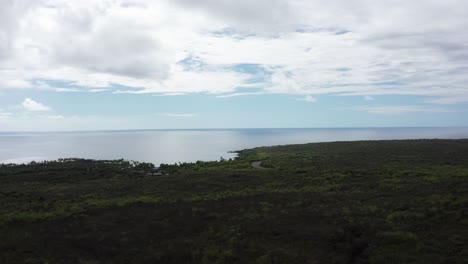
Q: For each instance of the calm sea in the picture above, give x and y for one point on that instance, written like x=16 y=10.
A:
x=169 y=146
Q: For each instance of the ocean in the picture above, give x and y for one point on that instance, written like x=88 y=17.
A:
x=170 y=146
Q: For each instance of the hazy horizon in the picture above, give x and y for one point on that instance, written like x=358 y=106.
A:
x=188 y=145
x=222 y=128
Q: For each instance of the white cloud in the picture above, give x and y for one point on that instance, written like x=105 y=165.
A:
x=15 y=84
x=309 y=98
x=238 y=94
x=55 y=117
x=369 y=98
x=177 y=115
x=33 y=106
x=449 y=100
x=358 y=48
x=11 y=13
x=99 y=90
x=400 y=109
x=169 y=94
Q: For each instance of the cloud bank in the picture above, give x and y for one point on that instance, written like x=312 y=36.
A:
x=306 y=48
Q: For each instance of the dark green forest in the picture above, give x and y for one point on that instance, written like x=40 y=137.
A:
x=402 y=201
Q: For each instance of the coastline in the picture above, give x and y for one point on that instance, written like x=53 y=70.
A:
x=171 y=146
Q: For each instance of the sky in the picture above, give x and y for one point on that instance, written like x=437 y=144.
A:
x=141 y=64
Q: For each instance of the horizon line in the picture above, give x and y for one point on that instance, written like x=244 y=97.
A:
x=219 y=128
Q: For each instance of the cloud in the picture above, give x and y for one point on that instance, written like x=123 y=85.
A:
x=299 y=47
x=31 y=121
x=238 y=94
x=128 y=52
x=449 y=100
x=15 y=84
x=33 y=106
x=11 y=13
x=400 y=109
x=309 y=98
x=99 y=90
x=169 y=94
x=55 y=117
x=177 y=115
x=261 y=16
x=5 y=115
x=369 y=98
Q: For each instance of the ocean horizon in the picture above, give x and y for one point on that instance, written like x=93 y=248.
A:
x=189 y=145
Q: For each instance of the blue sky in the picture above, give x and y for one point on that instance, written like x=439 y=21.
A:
x=98 y=65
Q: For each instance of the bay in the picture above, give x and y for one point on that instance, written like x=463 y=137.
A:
x=170 y=146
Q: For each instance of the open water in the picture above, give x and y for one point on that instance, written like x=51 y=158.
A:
x=170 y=146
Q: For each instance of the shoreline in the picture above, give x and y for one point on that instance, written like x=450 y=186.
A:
x=170 y=146
x=237 y=153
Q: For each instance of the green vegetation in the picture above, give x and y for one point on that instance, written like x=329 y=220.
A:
x=344 y=202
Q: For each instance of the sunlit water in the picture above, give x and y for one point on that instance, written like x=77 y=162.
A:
x=169 y=146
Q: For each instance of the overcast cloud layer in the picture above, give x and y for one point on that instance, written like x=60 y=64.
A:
x=307 y=48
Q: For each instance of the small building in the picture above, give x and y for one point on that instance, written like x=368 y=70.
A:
x=155 y=172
